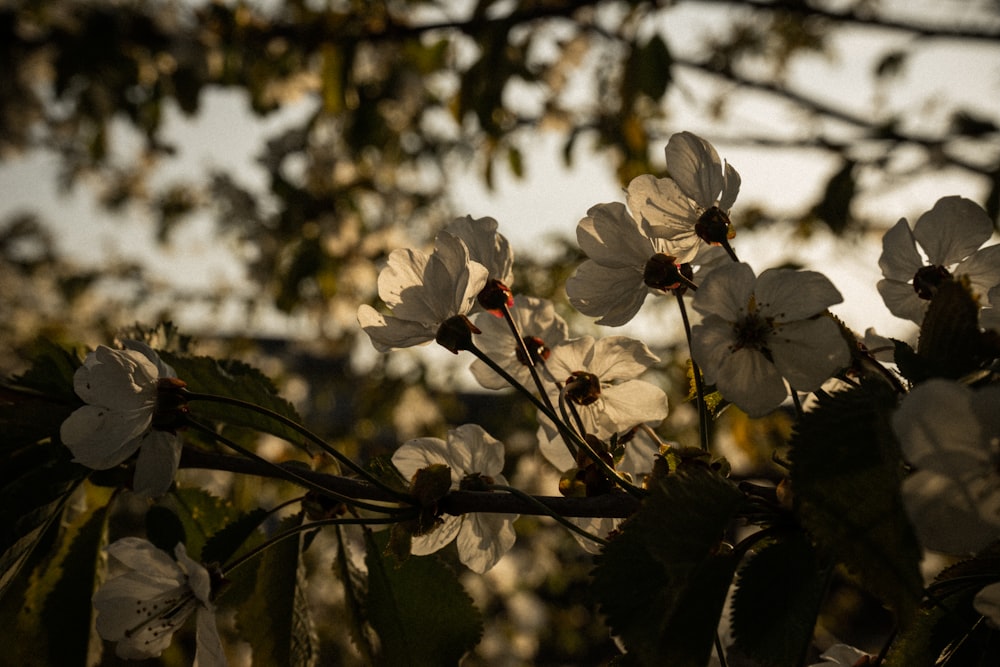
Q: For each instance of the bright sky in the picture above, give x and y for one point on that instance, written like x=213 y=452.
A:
x=551 y=200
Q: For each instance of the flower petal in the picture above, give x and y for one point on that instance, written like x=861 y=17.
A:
x=484 y=539
x=209 y=651
x=437 y=539
x=420 y=453
x=726 y=292
x=159 y=456
x=952 y=230
x=787 y=295
x=987 y=603
x=901 y=300
x=694 y=164
x=486 y=246
x=120 y=379
x=611 y=237
x=101 y=438
x=749 y=380
x=809 y=352
x=900 y=259
x=473 y=450
x=620 y=358
x=613 y=295
x=389 y=333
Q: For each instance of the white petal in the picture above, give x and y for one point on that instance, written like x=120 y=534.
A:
x=946 y=514
x=486 y=246
x=159 y=456
x=569 y=357
x=902 y=301
x=899 y=259
x=552 y=446
x=404 y=271
x=625 y=405
x=694 y=164
x=420 y=453
x=101 y=438
x=163 y=370
x=983 y=270
x=438 y=538
x=612 y=238
x=198 y=577
x=726 y=292
x=788 y=295
x=749 y=380
x=809 y=352
x=389 y=333
x=473 y=450
x=710 y=343
x=939 y=431
x=620 y=358
x=121 y=379
x=146 y=559
x=952 y=230
x=987 y=603
x=613 y=295
x=209 y=652
x=484 y=539
x=731 y=188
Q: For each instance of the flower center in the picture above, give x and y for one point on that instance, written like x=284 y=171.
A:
x=583 y=388
x=714 y=226
x=752 y=331
x=537 y=350
x=494 y=296
x=927 y=279
x=455 y=333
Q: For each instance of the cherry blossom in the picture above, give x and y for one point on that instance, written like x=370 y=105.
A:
x=600 y=379
x=540 y=326
x=624 y=264
x=123 y=391
x=423 y=290
x=691 y=206
x=759 y=331
x=469 y=451
x=141 y=607
x=950 y=434
x=486 y=246
x=950 y=235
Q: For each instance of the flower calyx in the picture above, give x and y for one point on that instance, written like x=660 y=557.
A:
x=928 y=279
x=662 y=273
x=455 y=334
x=429 y=485
x=583 y=388
x=714 y=226
x=171 y=404
x=538 y=351
x=494 y=297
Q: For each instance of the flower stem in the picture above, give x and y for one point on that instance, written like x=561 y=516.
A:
x=302 y=528
x=699 y=381
x=550 y=513
x=529 y=358
x=291 y=475
x=729 y=250
x=302 y=430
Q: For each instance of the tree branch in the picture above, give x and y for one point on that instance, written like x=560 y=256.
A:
x=613 y=505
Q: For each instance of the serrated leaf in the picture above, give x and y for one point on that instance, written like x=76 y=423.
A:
x=51 y=371
x=275 y=620
x=35 y=484
x=778 y=595
x=846 y=471
x=418 y=608
x=234 y=379
x=234 y=537
x=355 y=590
x=201 y=516
x=663 y=580
x=52 y=614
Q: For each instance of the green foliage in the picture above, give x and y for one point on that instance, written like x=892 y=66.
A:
x=240 y=381
x=235 y=537
x=778 y=596
x=846 y=472
x=50 y=612
x=663 y=580
x=201 y=516
x=275 y=620
x=418 y=608
x=355 y=587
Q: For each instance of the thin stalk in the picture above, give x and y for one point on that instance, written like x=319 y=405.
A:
x=300 y=529
x=719 y=651
x=729 y=250
x=302 y=430
x=550 y=513
x=291 y=475
x=796 y=402
x=699 y=381
x=509 y=317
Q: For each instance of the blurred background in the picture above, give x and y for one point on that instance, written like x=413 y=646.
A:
x=244 y=168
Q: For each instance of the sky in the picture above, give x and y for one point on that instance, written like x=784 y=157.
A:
x=551 y=199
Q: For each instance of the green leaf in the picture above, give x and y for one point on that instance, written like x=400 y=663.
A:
x=355 y=587
x=234 y=537
x=35 y=484
x=846 y=470
x=51 y=371
x=235 y=379
x=662 y=581
x=778 y=596
x=51 y=614
x=201 y=516
x=835 y=207
x=647 y=70
x=275 y=619
x=418 y=608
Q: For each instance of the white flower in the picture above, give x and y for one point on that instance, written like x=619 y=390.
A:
x=621 y=266
x=950 y=235
x=842 y=655
x=486 y=246
x=121 y=388
x=757 y=332
x=541 y=329
x=691 y=207
x=423 y=291
x=144 y=605
x=601 y=378
x=482 y=539
x=950 y=434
